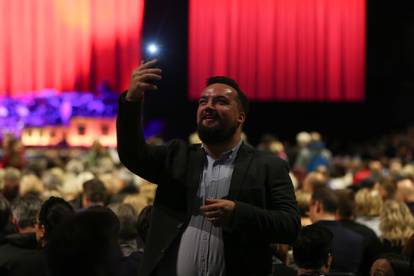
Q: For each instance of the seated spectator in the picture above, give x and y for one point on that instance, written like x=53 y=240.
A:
x=372 y=244
x=11 y=184
x=303 y=199
x=311 y=251
x=313 y=181
x=20 y=254
x=143 y=223
x=86 y=245
x=30 y=184
x=5 y=218
x=94 y=193
x=392 y=265
x=405 y=192
x=128 y=232
x=368 y=207
x=396 y=226
x=347 y=246
x=52 y=213
x=131 y=246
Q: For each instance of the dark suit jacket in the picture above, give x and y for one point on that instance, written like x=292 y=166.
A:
x=265 y=211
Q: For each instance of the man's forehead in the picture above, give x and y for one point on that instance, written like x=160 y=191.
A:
x=218 y=89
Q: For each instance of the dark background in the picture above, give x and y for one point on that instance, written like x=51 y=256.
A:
x=388 y=105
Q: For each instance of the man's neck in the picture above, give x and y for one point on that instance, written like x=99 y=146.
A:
x=309 y=271
x=26 y=230
x=329 y=217
x=217 y=150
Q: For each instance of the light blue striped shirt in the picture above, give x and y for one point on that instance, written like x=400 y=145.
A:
x=201 y=249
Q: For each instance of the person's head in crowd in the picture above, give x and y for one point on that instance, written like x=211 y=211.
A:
x=31 y=185
x=11 y=182
x=311 y=250
x=24 y=213
x=127 y=219
x=368 y=203
x=303 y=139
x=395 y=167
x=143 y=222
x=391 y=265
x=53 y=212
x=346 y=204
x=53 y=178
x=137 y=201
x=405 y=189
x=5 y=213
x=222 y=111
x=85 y=244
x=313 y=181
x=94 y=193
x=396 y=222
x=387 y=188
x=303 y=199
x=324 y=205
x=74 y=166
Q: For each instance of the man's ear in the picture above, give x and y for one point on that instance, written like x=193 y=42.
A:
x=318 y=206
x=242 y=117
x=327 y=266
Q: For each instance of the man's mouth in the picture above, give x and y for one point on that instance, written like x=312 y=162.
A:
x=210 y=118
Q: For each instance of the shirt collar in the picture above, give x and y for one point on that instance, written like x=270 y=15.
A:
x=228 y=156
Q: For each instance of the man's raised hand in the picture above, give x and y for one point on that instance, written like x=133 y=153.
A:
x=142 y=79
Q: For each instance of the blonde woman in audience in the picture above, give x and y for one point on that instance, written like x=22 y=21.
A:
x=31 y=184
x=397 y=226
x=368 y=207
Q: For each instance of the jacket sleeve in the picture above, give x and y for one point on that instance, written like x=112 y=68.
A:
x=279 y=221
x=145 y=160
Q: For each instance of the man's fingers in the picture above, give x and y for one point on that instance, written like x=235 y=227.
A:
x=148 y=64
x=147 y=86
x=211 y=207
x=213 y=214
x=138 y=72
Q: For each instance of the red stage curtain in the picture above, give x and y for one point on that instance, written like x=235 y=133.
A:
x=68 y=44
x=306 y=50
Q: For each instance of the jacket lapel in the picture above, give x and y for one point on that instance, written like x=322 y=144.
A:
x=241 y=166
x=195 y=168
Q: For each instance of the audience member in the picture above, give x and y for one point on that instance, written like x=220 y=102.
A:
x=94 y=193
x=345 y=215
x=396 y=226
x=53 y=212
x=347 y=246
x=368 y=207
x=312 y=250
x=86 y=245
x=20 y=254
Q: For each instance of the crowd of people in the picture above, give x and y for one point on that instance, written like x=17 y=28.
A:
x=80 y=212
x=220 y=207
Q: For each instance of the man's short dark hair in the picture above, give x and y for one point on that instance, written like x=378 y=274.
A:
x=327 y=197
x=243 y=101
x=127 y=218
x=311 y=249
x=86 y=244
x=53 y=212
x=25 y=211
x=94 y=190
x=5 y=212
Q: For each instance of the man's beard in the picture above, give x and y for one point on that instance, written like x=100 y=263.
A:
x=215 y=135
